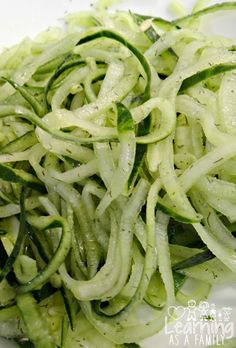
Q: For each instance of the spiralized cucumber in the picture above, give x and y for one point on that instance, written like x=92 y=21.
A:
x=117 y=176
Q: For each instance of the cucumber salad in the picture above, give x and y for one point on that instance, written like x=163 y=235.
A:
x=117 y=176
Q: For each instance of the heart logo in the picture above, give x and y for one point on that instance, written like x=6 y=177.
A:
x=176 y=312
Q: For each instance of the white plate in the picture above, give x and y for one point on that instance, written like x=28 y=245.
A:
x=27 y=18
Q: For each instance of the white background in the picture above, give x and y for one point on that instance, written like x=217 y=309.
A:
x=20 y=18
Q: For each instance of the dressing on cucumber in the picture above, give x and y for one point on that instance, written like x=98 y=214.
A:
x=117 y=176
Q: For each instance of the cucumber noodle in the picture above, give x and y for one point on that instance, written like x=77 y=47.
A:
x=117 y=176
